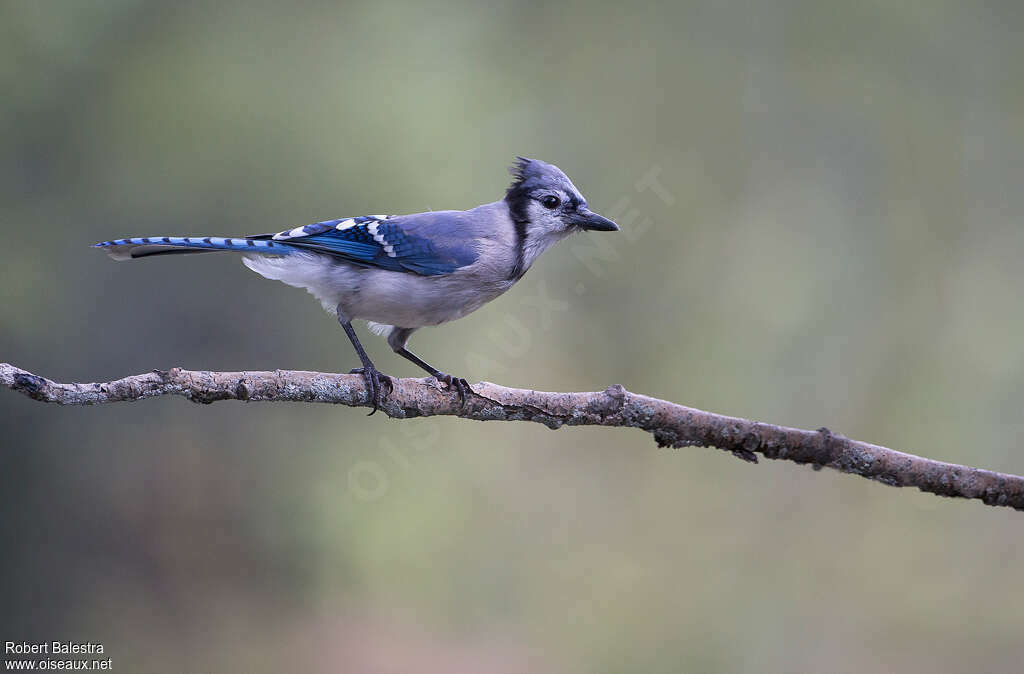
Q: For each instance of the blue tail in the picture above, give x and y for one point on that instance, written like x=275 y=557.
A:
x=127 y=249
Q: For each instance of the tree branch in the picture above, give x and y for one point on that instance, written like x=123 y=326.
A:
x=672 y=425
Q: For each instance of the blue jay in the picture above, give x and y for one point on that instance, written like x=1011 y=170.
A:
x=403 y=272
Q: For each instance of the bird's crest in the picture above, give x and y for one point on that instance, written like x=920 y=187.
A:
x=518 y=170
x=529 y=175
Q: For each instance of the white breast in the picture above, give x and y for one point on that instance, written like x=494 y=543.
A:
x=392 y=298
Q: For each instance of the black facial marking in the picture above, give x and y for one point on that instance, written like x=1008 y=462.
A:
x=517 y=208
x=517 y=269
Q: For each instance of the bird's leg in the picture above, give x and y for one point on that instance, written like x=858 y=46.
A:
x=458 y=383
x=375 y=379
x=397 y=340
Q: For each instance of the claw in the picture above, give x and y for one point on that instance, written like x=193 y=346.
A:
x=375 y=382
x=457 y=383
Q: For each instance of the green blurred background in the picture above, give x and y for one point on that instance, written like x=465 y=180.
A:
x=835 y=238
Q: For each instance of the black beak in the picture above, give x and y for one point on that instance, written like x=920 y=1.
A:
x=585 y=219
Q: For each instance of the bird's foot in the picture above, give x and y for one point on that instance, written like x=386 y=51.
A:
x=457 y=383
x=376 y=382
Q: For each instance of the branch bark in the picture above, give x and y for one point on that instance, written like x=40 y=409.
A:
x=671 y=425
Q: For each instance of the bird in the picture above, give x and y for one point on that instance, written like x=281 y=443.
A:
x=401 y=273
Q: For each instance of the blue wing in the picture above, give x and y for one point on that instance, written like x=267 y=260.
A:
x=386 y=242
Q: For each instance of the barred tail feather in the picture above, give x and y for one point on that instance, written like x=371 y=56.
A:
x=128 y=249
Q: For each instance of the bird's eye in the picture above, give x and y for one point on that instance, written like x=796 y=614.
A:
x=550 y=201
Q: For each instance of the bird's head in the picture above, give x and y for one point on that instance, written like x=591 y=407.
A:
x=545 y=203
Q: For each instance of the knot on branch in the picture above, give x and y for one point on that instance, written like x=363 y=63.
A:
x=31 y=385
